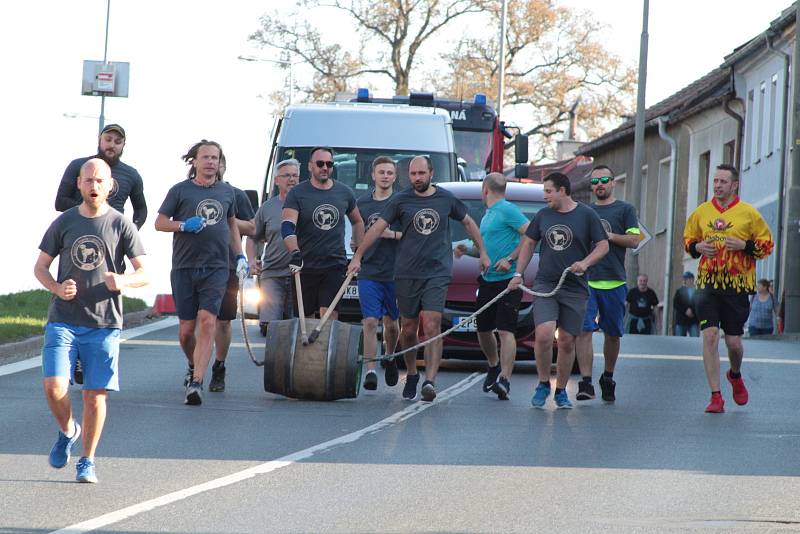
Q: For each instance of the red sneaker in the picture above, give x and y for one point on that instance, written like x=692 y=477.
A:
x=717 y=405
x=740 y=395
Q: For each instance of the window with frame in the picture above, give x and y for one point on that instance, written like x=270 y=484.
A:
x=748 y=155
x=703 y=170
x=773 y=97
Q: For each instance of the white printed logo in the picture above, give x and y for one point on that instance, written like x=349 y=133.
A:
x=114 y=188
x=372 y=219
x=426 y=221
x=606 y=226
x=559 y=237
x=326 y=217
x=211 y=210
x=87 y=252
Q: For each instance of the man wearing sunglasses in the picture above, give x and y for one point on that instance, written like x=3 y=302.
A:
x=607 y=290
x=313 y=229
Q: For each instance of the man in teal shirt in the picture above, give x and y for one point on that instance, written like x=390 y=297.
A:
x=606 y=307
x=501 y=229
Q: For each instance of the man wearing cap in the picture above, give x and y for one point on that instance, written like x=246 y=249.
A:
x=127 y=181
x=683 y=303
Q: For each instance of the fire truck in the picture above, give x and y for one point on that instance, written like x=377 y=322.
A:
x=479 y=136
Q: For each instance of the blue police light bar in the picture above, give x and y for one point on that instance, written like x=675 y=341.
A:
x=480 y=99
x=362 y=95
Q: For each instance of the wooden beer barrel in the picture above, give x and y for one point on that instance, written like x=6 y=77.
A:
x=328 y=369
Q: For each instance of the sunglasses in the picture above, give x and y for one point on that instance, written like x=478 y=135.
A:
x=601 y=180
x=321 y=164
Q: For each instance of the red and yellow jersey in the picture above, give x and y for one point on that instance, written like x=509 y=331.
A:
x=731 y=271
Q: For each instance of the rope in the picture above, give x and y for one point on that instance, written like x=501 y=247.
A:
x=244 y=326
x=470 y=317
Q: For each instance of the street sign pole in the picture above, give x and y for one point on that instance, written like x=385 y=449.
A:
x=105 y=61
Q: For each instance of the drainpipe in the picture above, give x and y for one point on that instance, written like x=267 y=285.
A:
x=737 y=157
x=673 y=182
x=782 y=173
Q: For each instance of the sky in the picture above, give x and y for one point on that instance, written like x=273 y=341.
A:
x=186 y=83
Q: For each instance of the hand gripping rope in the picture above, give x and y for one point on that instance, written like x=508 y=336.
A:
x=469 y=318
x=242 y=320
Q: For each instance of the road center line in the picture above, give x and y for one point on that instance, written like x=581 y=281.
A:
x=267 y=467
x=36 y=361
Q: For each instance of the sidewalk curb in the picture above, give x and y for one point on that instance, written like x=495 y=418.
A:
x=32 y=346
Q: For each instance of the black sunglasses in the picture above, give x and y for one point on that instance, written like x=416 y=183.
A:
x=321 y=164
x=595 y=181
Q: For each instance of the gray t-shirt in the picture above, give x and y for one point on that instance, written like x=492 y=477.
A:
x=425 y=251
x=216 y=204
x=320 y=222
x=244 y=212
x=565 y=238
x=87 y=248
x=275 y=258
x=378 y=262
x=617 y=218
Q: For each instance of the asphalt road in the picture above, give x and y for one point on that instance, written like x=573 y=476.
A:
x=248 y=461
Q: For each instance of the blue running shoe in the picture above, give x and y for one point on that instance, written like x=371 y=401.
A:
x=59 y=454
x=562 y=400
x=540 y=395
x=86 y=471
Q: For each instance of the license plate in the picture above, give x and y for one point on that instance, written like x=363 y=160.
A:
x=468 y=326
x=351 y=292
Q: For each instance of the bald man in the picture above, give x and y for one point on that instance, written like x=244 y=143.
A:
x=91 y=241
x=502 y=228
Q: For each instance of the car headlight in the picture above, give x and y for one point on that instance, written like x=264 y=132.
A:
x=252 y=296
x=556 y=334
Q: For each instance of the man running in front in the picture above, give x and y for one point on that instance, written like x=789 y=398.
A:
x=728 y=235
x=84 y=319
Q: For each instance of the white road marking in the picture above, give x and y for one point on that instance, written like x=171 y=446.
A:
x=267 y=467
x=36 y=361
x=683 y=357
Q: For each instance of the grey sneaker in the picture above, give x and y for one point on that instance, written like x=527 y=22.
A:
x=187 y=378
x=193 y=397
x=428 y=391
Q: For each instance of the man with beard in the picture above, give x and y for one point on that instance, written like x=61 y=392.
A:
x=127 y=183
x=605 y=309
x=85 y=314
x=313 y=228
x=423 y=265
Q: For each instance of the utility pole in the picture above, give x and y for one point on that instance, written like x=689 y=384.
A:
x=502 y=72
x=105 y=61
x=791 y=275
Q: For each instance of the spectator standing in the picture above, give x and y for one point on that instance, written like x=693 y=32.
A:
x=686 y=323
x=642 y=307
x=763 y=308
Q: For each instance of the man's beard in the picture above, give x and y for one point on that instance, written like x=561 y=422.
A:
x=602 y=196
x=421 y=188
x=111 y=161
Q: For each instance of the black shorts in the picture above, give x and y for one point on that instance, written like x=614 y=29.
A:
x=198 y=289
x=227 y=312
x=503 y=314
x=728 y=311
x=319 y=288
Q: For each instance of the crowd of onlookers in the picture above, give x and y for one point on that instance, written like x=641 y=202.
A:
x=644 y=311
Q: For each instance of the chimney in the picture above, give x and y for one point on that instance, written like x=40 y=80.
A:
x=565 y=149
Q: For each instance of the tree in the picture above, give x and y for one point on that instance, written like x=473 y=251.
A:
x=553 y=60
x=397 y=29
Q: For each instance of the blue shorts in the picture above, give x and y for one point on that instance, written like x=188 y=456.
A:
x=97 y=347
x=609 y=305
x=198 y=289
x=377 y=299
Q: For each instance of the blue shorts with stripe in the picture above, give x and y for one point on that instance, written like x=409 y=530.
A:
x=606 y=311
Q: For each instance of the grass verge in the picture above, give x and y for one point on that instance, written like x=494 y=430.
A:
x=24 y=314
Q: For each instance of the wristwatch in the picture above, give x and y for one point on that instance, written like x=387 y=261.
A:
x=510 y=259
x=517 y=274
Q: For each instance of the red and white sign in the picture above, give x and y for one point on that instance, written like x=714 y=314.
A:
x=104 y=82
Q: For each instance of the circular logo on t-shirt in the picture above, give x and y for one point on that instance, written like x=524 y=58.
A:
x=87 y=252
x=211 y=210
x=559 y=237
x=326 y=216
x=426 y=221
x=606 y=226
x=372 y=219
x=114 y=188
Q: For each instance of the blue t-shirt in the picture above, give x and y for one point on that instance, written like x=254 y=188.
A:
x=500 y=236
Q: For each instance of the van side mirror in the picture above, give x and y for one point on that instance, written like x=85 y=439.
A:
x=521 y=149
x=252 y=196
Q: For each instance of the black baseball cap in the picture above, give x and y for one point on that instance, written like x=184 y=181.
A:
x=114 y=128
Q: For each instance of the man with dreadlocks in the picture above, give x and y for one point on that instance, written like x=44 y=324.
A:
x=201 y=211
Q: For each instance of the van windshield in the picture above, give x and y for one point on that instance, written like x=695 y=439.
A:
x=353 y=166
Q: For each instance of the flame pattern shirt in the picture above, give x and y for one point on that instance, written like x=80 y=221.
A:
x=728 y=271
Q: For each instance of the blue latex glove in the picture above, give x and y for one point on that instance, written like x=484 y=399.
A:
x=242 y=268
x=193 y=224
